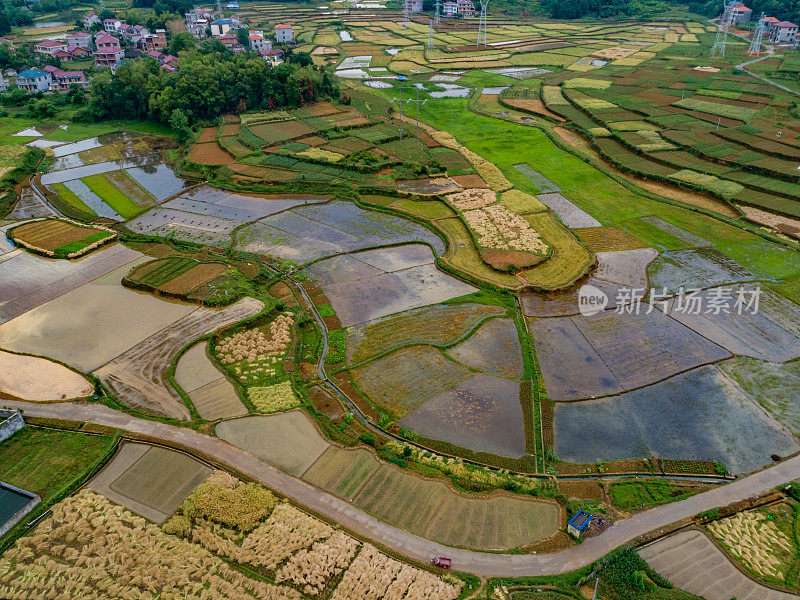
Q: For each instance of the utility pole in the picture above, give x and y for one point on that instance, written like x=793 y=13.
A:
x=438 y=12
x=430 y=35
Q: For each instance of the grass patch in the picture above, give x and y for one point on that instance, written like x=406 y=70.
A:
x=717 y=108
x=45 y=461
x=634 y=495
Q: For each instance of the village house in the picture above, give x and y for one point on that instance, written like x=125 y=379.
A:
x=450 y=9
x=258 y=42
x=81 y=39
x=49 y=47
x=274 y=56
x=3 y=84
x=62 y=80
x=466 y=8
x=283 y=34
x=783 y=32
x=72 y=52
x=414 y=6
x=741 y=14
x=108 y=52
x=90 y=20
x=221 y=26
x=153 y=41
x=34 y=80
x=228 y=40
x=112 y=25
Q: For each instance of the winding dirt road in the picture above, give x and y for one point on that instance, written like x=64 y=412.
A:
x=341 y=511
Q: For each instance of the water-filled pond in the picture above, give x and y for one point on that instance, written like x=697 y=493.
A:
x=11 y=501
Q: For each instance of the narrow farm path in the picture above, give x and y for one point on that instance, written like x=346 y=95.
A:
x=340 y=511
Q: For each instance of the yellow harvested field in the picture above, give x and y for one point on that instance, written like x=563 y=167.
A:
x=40 y=380
x=569 y=262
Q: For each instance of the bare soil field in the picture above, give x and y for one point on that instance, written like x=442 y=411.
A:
x=287 y=440
x=691 y=561
x=678 y=418
x=212 y=394
x=40 y=380
x=149 y=480
x=493 y=349
x=440 y=324
x=403 y=380
x=138 y=376
x=608 y=239
x=51 y=234
x=429 y=507
x=210 y=154
x=483 y=413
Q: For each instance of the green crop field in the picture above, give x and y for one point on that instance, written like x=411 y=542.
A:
x=47 y=461
x=112 y=195
x=160 y=272
x=68 y=196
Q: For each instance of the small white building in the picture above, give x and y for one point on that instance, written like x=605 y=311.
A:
x=450 y=9
x=112 y=25
x=283 y=34
x=221 y=26
x=258 y=42
x=80 y=39
x=90 y=20
x=3 y=84
x=414 y=6
x=34 y=80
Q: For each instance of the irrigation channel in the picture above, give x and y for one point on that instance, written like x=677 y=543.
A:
x=354 y=411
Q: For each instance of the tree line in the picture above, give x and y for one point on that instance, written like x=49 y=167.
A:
x=210 y=81
x=602 y=9
x=786 y=10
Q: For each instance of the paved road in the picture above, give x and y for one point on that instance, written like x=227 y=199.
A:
x=341 y=511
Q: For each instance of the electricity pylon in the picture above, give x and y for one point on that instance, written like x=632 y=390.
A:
x=758 y=34
x=718 y=50
x=482 y=25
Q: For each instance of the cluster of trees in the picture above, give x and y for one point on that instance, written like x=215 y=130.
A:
x=165 y=6
x=211 y=81
x=782 y=9
x=602 y=9
x=14 y=15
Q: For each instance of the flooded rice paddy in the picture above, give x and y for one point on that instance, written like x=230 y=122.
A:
x=361 y=292
x=699 y=415
x=615 y=352
x=482 y=413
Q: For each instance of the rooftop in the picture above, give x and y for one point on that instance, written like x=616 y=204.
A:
x=283 y=26
x=785 y=25
x=51 y=44
x=32 y=73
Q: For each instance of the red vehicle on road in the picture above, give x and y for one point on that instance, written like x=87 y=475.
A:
x=441 y=562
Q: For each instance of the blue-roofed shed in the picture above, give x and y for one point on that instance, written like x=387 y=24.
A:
x=578 y=523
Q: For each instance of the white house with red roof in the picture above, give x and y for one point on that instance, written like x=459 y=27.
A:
x=49 y=47
x=450 y=9
x=741 y=14
x=784 y=33
x=283 y=34
x=258 y=42
x=91 y=19
x=112 y=25
x=82 y=39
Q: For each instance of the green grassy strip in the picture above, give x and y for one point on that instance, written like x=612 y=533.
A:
x=81 y=244
x=68 y=196
x=112 y=195
x=168 y=270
